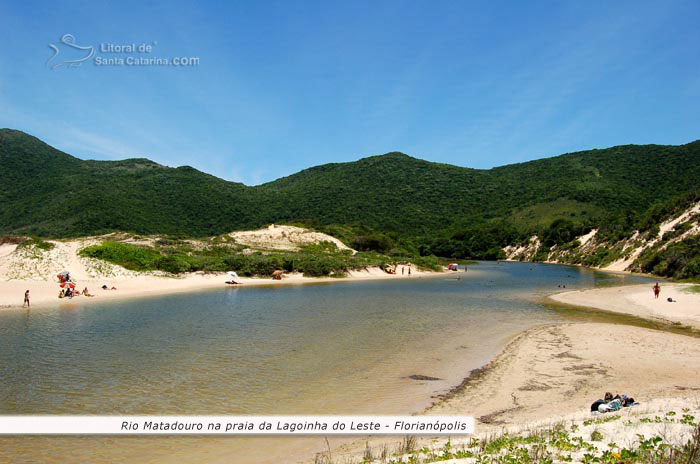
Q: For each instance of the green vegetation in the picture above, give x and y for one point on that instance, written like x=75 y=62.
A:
x=679 y=260
x=555 y=444
x=319 y=260
x=49 y=193
x=391 y=204
x=36 y=243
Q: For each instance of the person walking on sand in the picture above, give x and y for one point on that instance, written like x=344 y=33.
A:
x=409 y=269
x=402 y=269
x=657 y=290
x=26 y=299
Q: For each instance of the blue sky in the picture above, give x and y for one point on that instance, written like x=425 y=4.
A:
x=282 y=86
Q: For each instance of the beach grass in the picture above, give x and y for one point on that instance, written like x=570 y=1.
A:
x=317 y=260
x=672 y=437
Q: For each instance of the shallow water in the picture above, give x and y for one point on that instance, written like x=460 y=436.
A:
x=344 y=347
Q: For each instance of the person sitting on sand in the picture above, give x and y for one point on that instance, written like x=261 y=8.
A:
x=105 y=287
x=86 y=292
x=657 y=290
x=69 y=293
x=62 y=293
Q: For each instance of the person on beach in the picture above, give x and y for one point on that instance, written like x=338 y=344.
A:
x=657 y=290
x=26 y=299
x=409 y=269
x=402 y=269
x=62 y=293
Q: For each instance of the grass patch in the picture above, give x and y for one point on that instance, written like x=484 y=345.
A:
x=693 y=289
x=323 y=259
x=36 y=243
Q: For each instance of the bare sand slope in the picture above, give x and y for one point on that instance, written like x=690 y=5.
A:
x=639 y=300
x=276 y=237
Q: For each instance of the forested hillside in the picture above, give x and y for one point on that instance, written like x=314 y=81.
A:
x=388 y=202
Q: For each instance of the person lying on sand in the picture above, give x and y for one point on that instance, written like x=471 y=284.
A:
x=612 y=403
x=105 y=287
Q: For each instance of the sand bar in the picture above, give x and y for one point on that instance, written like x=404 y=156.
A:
x=638 y=300
x=45 y=292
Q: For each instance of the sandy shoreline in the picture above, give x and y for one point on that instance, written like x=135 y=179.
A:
x=543 y=375
x=45 y=293
x=553 y=373
x=35 y=269
x=638 y=300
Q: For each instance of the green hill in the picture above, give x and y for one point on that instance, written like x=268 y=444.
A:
x=49 y=193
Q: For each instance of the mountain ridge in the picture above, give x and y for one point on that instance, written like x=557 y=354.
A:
x=47 y=192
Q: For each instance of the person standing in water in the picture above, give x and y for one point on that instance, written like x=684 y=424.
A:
x=26 y=299
x=657 y=290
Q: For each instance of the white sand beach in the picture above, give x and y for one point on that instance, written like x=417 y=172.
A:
x=35 y=270
x=551 y=375
x=638 y=300
x=43 y=292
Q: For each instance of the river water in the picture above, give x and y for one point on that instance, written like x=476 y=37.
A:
x=332 y=348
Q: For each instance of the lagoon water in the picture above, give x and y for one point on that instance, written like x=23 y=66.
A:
x=338 y=348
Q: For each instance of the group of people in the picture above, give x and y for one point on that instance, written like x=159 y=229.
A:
x=69 y=292
x=612 y=403
x=393 y=269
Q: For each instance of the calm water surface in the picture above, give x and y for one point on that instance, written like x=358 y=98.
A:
x=337 y=348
